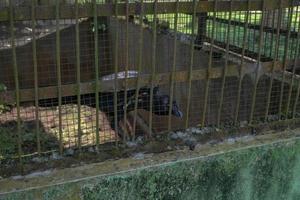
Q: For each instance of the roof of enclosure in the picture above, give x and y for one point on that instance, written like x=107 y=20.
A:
x=24 y=32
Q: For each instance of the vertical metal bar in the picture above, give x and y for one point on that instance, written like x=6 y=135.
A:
x=116 y=71
x=153 y=70
x=258 y=63
x=277 y=43
x=225 y=67
x=206 y=92
x=96 y=41
x=242 y=63
x=16 y=79
x=58 y=69
x=78 y=73
x=192 y=50
x=298 y=87
x=141 y=41
x=126 y=67
x=173 y=66
x=294 y=66
x=272 y=35
x=35 y=71
x=290 y=18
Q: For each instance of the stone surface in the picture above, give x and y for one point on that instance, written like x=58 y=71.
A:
x=263 y=167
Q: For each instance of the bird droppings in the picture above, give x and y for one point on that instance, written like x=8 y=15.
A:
x=140 y=140
x=56 y=156
x=38 y=174
x=131 y=144
x=18 y=177
x=69 y=152
x=39 y=159
x=230 y=140
x=91 y=150
x=138 y=156
x=243 y=124
x=141 y=147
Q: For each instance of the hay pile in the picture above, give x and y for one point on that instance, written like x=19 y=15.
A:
x=49 y=128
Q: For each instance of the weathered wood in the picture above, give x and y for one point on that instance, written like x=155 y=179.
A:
x=67 y=11
x=160 y=79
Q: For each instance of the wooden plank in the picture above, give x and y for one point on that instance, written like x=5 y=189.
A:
x=45 y=12
x=27 y=95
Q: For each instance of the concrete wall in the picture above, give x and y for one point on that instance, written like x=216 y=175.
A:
x=263 y=172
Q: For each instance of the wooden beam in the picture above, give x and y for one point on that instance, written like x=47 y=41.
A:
x=45 y=12
x=27 y=95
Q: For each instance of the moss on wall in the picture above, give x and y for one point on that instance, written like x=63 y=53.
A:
x=267 y=172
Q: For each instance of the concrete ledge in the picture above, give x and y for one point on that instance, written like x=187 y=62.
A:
x=76 y=183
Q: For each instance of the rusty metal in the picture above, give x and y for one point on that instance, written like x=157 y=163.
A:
x=115 y=70
x=290 y=18
x=242 y=65
x=96 y=41
x=125 y=135
x=220 y=106
x=139 y=69
x=153 y=66
x=209 y=64
x=58 y=75
x=173 y=65
x=35 y=69
x=192 y=50
x=16 y=79
x=291 y=85
x=275 y=59
x=256 y=79
x=78 y=73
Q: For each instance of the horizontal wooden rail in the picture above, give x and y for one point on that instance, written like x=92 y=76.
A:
x=160 y=79
x=266 y=29
x=44 y=12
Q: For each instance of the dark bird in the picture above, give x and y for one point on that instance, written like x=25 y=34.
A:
x=160 y=102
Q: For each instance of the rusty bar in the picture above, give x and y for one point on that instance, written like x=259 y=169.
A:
x=206 y=93
x=116 y=72
x=272 y=34
x=274 y=61
x=140 y=43
x=36 y=83
x=126 y=67
x=242 y=65
x=258 y=63
x=78 y=73
x=291 y=85
x=96 y=52
x=192 y=50
x=153 y=66
x=220 y=107
x=286 y=48
x=16 y=79
x=173 y=66
x=59 y=85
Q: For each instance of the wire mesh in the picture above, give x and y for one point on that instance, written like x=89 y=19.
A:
x=71 y=80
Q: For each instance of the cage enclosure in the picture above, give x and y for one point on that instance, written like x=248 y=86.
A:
x=80 y=74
